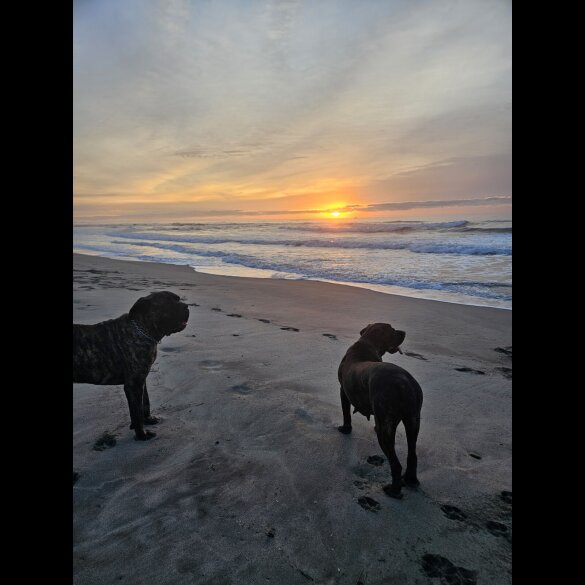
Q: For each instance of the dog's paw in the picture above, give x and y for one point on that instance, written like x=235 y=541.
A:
x=149 y=420
x=393 y=491
x=345 y=429
x=410 y=481
x=145 y=436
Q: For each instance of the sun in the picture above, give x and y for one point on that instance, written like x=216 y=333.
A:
x=335 y=214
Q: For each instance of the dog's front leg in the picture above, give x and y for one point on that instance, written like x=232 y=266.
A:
x=148 y=418
x=346 y=408
x=134 y=388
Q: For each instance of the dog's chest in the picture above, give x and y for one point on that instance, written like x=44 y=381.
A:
x=363 y=408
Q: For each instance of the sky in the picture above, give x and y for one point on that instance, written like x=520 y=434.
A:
x=260 y=109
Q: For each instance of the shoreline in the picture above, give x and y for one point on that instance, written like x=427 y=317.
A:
x=248 y=479
x=246 y=272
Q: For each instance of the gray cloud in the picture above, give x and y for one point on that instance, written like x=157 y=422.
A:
x=404 y=205
x=500 y=200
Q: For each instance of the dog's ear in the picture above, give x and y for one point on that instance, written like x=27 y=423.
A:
x=140 y=307
x=365 y=329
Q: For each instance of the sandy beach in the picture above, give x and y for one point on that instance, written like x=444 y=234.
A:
x=248 y=480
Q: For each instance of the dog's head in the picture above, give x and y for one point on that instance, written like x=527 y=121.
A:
x=162 y=313
x=383 y=337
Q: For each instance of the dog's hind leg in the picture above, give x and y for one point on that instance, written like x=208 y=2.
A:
x=386 y=431
x=346 y=408
x=411 y=426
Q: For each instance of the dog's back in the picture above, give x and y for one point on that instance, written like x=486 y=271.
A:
x=95 y=359
x=380 y=387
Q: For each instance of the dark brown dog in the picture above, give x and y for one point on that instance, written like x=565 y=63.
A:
x=385 y=390
x=122 y=350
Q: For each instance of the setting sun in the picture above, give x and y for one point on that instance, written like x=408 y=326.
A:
x=335 y=214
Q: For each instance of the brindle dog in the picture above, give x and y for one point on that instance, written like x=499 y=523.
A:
x=122 y=351
x=385 y=390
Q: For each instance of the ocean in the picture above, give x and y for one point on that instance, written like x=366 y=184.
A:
x=454 y=261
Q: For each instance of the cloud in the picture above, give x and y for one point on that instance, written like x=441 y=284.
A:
x=403 y=205
x=187 y=210
x=181 y=100
x=499 y=200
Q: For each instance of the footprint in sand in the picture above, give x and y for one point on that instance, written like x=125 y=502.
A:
x=418 y=356
x=289 y=328
x=235 y=334
x=506 y=372
x=453 y=513
x=330 y=335
x=216 y=309
x=304 y=415
x=507 y=351
x=76 y=476
x=264 y=320
x=242 y=388
x=106 y=441
x=496 y=528
x=438 y=566
x=360 y=484
x=375 y=460
x=369 y=504
x=211 y=365
x=470 y=370
x=475 y=455
x=234 y=315
x=506 y=496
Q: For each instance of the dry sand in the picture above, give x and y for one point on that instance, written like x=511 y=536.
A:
x=248 y=481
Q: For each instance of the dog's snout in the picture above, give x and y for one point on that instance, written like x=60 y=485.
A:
x=401 y=334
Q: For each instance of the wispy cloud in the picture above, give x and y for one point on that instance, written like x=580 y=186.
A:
x=249 y=99
x=200 y=212
x=500 y=200
x=403 y=205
